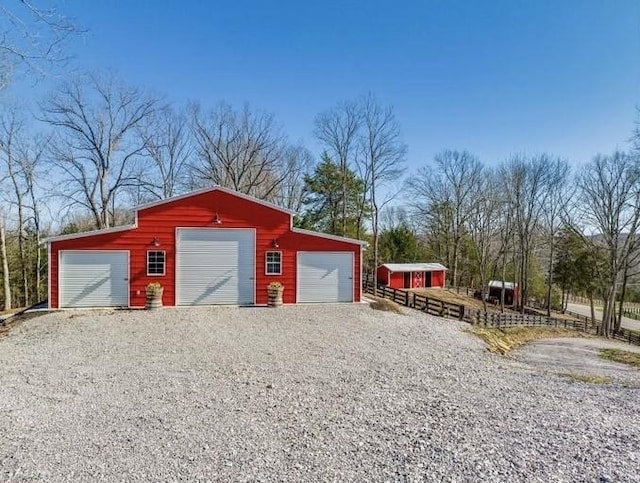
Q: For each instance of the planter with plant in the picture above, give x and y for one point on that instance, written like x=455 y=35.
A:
x=275 y=290
x=154 y=295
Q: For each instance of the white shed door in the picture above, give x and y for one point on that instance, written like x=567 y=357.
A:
x=215 y=266
x=325 y=277
x=93 y=278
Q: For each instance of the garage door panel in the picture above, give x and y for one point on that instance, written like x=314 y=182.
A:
x=94 y=279
x=325 y=277
x=215 y=266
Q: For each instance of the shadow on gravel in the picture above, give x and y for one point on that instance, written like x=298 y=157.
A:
x=36 y=310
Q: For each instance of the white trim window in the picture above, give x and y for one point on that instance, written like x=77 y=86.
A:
x=156 y=262
x=273 y=263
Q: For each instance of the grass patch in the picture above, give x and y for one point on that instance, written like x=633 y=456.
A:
x=502 y=341
x=625 y=357
x=385 y=305
x=588 y=378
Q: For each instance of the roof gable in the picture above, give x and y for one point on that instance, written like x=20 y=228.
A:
x=211 y=189
x=154 y=204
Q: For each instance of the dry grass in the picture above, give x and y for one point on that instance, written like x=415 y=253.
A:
x=450 y=296
x=502 y=341
x=386 y=305
x=589 y=379
x=625 y=357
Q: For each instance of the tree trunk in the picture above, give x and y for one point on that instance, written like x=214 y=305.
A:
x=375 y=236
x=593 y=309
x=482 y=291
x=38 y=267
x=524 y=275
x=21 y=250
x=344 y=196
x=609 y=311
x=455 y=262
x=5 y=267
x=504 y=275
x=623 y=291
x=549 y=279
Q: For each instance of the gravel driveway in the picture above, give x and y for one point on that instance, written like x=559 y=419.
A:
x=579 y=356
x=301 y=393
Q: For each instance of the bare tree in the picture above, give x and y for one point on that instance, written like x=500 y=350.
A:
x=526 y=182
x=609 y=195
x=97 y=146
x=241 y=150
x=484 y=228
x=168 y=146
x=33 y=39
x=555 y=201
x=32 y=158
x=298 y=162
x=4 y=261
x=338 y=130
x=10 y=130
x=506 y=238
x=382 y=157
x=444 y=194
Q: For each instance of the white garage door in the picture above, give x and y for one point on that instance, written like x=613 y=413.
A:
x=215 y=266
x=325 y=277
x=93 y=278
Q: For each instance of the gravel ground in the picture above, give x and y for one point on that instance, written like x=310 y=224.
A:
x=301 y=393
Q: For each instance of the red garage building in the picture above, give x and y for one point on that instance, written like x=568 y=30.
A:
x=212 y=246
x=412 y=275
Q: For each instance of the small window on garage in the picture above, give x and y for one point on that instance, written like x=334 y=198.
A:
x=155 y=262
x=274 y=263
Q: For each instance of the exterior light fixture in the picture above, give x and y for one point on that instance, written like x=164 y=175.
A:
x=275 y=243
x=156 y=241
x=217 y=220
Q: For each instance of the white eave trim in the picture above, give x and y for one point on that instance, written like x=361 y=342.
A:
x=215 y=188
x=83 y=234
x=329 y=237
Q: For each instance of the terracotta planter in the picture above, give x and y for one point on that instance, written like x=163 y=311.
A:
x=275 y=296
x=154 y=299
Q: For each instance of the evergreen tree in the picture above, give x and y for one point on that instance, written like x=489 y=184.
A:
x=323 y=205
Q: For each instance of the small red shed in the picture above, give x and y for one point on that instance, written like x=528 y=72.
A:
x=412 y=275
x=212 y=246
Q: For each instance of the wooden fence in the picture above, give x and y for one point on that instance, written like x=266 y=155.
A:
x=623 y=335
x=490 y=319
x=500 y=320
x=417 y=301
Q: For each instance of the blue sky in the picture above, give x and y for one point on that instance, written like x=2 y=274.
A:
x=493 y=77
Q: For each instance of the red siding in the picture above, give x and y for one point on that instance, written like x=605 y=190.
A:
x=396 y=280
x=383 y=274
x=198 y=211
x=437 y=279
